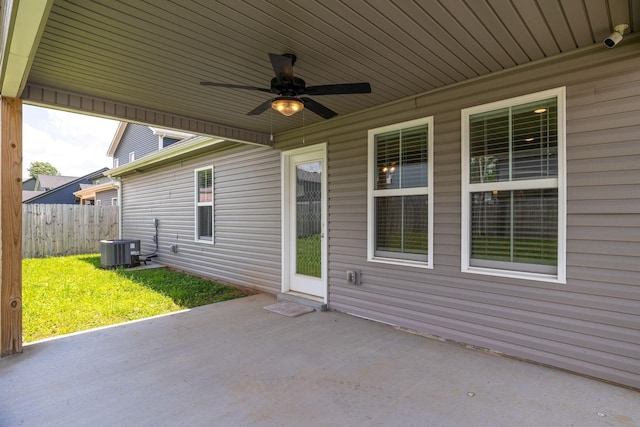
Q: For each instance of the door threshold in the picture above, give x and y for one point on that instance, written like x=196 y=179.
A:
x=317 y=303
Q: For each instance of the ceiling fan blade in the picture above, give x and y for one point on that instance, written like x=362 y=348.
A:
x=232 y=86
x=318 y=108
x=260 y=108
x=282 y=66
x=338 y=89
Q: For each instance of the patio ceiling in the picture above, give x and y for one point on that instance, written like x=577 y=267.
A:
x=153 y=54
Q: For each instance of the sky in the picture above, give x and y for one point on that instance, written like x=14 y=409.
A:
x=75 y=144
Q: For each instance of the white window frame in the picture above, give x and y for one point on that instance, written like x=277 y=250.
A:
x=116 y=162
x=372 y=193
x=114 y=201
x=199 y=204
x=132 y=156
x=98 y=202
x=547 y=183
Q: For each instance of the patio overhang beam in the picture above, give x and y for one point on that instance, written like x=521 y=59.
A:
x=84 y=104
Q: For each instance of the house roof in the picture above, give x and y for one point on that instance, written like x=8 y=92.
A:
x=90 y=190
x=143 y=63
x=170 y=133
x=92 y=175
x=308 y=176
x=116 y=139
x=52 y=181
x=28 y=194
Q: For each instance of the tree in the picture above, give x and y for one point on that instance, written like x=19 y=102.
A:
x=41 y=168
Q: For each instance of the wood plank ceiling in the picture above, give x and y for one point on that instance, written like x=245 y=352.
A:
x=154 y=53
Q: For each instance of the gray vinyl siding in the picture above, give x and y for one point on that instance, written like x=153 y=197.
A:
x=246 y=216
x=105 y=197
x=589 y=325
x=136 y=138
x=29 y=184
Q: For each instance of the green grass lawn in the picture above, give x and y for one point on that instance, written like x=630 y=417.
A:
x=528 y=251
x=69 y=294
x=309 y=256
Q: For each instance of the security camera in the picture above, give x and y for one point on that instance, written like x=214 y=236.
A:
x=615 y=37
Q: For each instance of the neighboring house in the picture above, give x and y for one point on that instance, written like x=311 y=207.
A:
x=33 y=187
x=26 y=194
x=29 y=184
x=497 y=212
x=131 y=142
x=49 y=182
x=101 y=191
x=63 y=193
x=134 y=141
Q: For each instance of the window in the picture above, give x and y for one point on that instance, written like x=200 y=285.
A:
x=400 y=201
x=166 y=142
x=204 y=204
x=116 y=162
x=114 y=201
x=98 y=202
x=132 y=156
x=513 y=187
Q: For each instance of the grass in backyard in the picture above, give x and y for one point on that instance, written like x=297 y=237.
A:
x=528 y=251
x=309 y=255
x=69 y=294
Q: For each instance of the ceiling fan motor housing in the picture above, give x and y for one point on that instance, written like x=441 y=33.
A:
x=288 y=88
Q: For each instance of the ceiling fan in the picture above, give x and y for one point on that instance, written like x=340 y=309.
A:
x=290 y=90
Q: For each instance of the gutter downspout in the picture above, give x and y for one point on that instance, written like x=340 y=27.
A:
x=118 y=183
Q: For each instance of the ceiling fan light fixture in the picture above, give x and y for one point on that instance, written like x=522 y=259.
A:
x=293 y=92
x=287 y=106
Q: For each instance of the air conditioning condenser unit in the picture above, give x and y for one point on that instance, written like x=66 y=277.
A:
x=119 y=253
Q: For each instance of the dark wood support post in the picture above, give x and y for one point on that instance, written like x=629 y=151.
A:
x=10 y=226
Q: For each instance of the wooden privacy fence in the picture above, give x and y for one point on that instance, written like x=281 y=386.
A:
x=58 y=230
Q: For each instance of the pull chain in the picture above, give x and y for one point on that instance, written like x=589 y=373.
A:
x=271 y=124
x=303 y=129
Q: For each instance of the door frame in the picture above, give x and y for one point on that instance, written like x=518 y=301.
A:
x=285 y=162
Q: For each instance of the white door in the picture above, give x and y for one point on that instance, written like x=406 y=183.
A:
x=304 y=225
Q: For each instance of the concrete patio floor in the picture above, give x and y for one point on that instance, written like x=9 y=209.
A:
x=235 y=364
